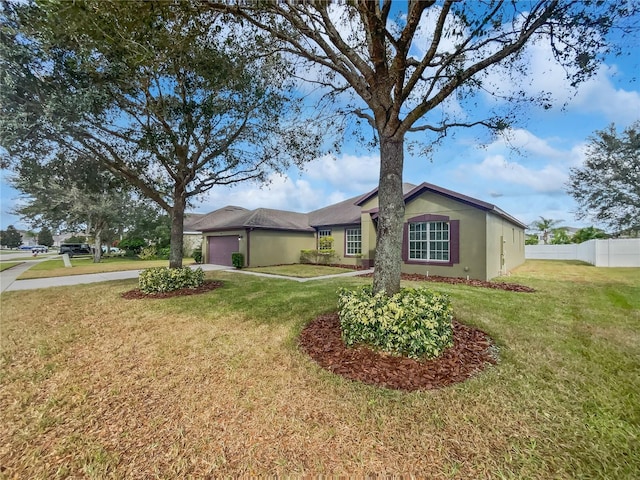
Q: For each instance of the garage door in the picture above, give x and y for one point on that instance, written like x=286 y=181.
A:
x=221 y=248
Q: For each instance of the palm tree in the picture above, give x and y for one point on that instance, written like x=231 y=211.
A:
x=544 y=226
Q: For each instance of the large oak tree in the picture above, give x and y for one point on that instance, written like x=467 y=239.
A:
x=402 y=62
x=163 y=94
x=607 y=186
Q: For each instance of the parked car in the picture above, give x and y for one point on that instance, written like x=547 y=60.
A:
x=75 y=249
x=25 y=247
x=39 y=249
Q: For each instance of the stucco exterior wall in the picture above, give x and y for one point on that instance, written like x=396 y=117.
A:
x=505 y=246
x=472 y=246
x=271 y=247
x=339 y=244
x=191 y=241
x=205 y=250
x=368 y=240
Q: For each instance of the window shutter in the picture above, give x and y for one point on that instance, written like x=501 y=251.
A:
x=405 y=242
x=454 y=241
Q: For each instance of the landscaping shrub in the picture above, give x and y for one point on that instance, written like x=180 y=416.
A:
x=165 y=279
x=414 y=322
x=148 y=253
x=132 y=245
x=197 y=255
x=163 y=253
x=237 y=259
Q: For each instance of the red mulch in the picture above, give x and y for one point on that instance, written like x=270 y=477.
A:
x=510 y=287
x=207 y=286
x=472 y=351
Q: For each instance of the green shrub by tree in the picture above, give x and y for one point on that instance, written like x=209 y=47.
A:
x=416 y=323
x=148 y=253
x=588 y=233
x=164 y=279
x=532 y=240
x=237 y=259
x=560 y=237
x=133 y=246
x=197 y=255
x=324 y=254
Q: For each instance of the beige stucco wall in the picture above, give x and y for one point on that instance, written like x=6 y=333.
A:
x=338 y=234
x=190 y=242
x=269 y=247
x=505 y=246
x=368 y=239
x=205 y=242
x=472 y=235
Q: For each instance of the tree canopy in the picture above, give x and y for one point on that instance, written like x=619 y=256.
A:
x=72 y=193
x=10 y=237
x=545 y=226
x=45 y=237
x=607 y=186
x=407 y=67
x=163 y=94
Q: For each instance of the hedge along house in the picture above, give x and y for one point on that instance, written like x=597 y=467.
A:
x=445 y=233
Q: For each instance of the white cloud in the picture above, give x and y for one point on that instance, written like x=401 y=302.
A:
x=544 y=74
x=349 y=173
x=282 y=193
x=496 y=168
x=598 y=95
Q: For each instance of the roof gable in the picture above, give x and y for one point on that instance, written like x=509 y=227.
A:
x=406 y=188
x=474 y=202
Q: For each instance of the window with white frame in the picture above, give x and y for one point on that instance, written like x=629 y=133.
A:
x=354 y=241
x=324 y=245
x=429 y=241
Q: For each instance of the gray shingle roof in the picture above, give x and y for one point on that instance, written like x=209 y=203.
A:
x=222 y=216
x=190 y=219
x=347 y=212
x=231 y=217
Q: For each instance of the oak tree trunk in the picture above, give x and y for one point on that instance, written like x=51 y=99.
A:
x=97 y=245
x=388 y=259
x=177 y=228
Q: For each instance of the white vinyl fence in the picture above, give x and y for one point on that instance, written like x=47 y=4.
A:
x=616 y=252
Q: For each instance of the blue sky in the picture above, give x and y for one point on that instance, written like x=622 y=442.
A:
x=527 y=181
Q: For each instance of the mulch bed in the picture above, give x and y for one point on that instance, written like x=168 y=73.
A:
x=472 y=352
x=510 y=287
x=207 y=286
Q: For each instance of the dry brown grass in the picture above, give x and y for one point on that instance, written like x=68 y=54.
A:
x=95 y=386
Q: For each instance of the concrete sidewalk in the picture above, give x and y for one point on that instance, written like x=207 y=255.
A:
x=9 y=283
x=354 y=273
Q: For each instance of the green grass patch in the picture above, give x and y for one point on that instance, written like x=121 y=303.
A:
x=6 y=265
x=300 y=270
x=85 y=265
x=214 y=385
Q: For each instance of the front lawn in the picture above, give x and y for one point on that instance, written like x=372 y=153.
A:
x=92 y=385
x=6 y=265
x=84 y=265
x=300 y=270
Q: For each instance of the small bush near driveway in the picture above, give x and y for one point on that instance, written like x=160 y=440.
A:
x=164 y=279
